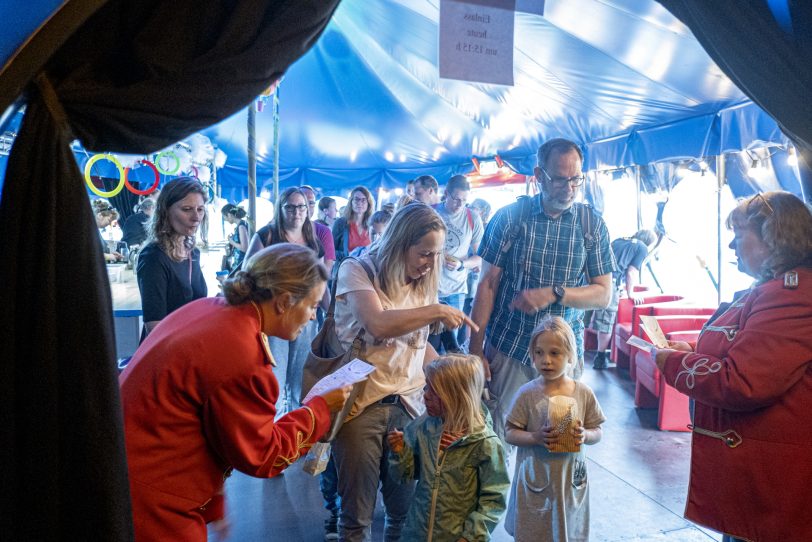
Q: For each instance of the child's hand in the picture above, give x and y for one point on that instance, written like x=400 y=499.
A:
x=578 y=432
x=395 y=440
x=547 y=436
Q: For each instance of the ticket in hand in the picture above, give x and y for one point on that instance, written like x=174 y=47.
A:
x=652 y=327
x=642 y=344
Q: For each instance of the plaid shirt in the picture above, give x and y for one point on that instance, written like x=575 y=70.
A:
x=549 y=251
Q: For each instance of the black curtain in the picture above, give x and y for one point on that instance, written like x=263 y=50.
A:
x=767 y=59
x=134 y=78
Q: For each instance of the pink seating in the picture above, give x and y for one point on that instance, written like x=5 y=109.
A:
x=651 y=390
x=627 y=314
x=676 y=308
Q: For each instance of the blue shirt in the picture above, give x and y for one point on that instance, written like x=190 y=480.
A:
x=547 y=251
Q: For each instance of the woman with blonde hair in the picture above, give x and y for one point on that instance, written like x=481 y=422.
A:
x=453 y=451
x=390 y=293
x=750 y=373
x=352 y=230
x=198 y=396
x=169 y=274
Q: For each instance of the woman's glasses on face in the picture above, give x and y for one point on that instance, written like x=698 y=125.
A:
x=359 y=199
x=293 y=209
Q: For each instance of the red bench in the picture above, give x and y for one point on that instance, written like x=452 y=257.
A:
x=651 y=390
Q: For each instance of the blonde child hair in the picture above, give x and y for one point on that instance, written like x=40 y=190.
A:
x=561 y=329
x=458 y=380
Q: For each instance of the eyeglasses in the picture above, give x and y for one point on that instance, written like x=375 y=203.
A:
x=359 y=199
x=295 y=208
x=558 y=182
x=765 y=208
x=458 y=201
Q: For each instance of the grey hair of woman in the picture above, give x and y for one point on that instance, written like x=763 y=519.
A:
x=276 y=270
x=784 y=223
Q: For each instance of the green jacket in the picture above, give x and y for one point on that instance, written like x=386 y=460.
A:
x=461 y=494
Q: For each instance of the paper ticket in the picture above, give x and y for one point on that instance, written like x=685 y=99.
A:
x=355 y=371
x=652 y=327
x=642 y=344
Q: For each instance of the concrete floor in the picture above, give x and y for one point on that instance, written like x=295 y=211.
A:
x=638 y=478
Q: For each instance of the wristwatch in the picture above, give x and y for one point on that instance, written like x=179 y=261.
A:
x=558 y=292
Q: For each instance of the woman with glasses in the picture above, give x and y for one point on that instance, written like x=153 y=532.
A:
x=352 y=230
x=750 y=375
x=168 y=270
x=292 y=225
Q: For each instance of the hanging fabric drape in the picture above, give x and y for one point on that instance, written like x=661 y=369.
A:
x=766 y=55
x=135 y=77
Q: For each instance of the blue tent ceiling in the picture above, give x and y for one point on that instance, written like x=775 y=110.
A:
x=366 y=105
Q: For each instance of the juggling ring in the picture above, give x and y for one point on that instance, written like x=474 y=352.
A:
x=149 y=190
x=121 y=178
x=168 y=154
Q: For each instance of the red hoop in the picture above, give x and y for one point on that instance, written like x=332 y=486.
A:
x=149 y=190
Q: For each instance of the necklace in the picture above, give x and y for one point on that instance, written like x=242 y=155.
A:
x=263 y=338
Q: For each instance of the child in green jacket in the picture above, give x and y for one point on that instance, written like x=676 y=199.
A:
x=454 y=454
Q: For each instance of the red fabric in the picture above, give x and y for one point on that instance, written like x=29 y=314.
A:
x=756 y=379
x=198 y=399
x=358 y=238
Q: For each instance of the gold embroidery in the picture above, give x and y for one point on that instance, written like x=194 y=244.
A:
x=302 y=442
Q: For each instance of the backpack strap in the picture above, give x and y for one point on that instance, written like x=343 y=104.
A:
x=370 y=273
x=525 y=206
x=585 y=221
x=470 y=218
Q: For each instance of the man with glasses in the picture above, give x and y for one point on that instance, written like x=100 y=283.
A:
x=545 y=255
x=464 y=232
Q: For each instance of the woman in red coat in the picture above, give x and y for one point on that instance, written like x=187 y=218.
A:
x=750 y=374
x=199 y=395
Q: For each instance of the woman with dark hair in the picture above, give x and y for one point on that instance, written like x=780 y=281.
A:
x=168 y=269
x=105 y=214
x=750 y=375
x=391 y=293
x=352 y=230
x=292 y=225
x=198 y=396
x=238 y=240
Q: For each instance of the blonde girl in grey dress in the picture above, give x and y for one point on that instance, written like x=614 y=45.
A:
x=549 y=498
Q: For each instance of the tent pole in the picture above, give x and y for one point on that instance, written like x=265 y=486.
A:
x=252 y=168
x=276 y=144
x=720 y=183
x=638 y=181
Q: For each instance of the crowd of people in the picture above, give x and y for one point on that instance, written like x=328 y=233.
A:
x=474 y=324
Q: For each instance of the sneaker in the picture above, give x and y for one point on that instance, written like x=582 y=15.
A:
x=331 y=528
x=600 y=361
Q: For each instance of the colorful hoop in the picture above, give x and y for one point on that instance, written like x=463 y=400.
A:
x=149 y=190
x=168 y=154
x=121 y=178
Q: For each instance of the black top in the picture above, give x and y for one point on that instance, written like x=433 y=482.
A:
x=135 y=229
x=266 y=233
x=165 y=284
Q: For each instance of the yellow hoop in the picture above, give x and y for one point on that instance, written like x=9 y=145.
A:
x=121 y=178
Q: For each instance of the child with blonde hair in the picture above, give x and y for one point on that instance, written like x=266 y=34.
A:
x=549 y=421
x=455 y=455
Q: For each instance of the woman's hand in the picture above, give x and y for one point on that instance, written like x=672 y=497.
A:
x=336 y=397
x=682 y=346
x=453 y=318
x=395 y=440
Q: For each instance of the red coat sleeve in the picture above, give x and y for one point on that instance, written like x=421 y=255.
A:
x=769 y=354
x=239 y=424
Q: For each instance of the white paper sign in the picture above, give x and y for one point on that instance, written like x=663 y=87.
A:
x=652 y=327
x=642 y=344
x=354 y=371
x=476 y=40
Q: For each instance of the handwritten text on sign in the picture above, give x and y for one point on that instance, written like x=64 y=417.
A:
x=476 y=41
